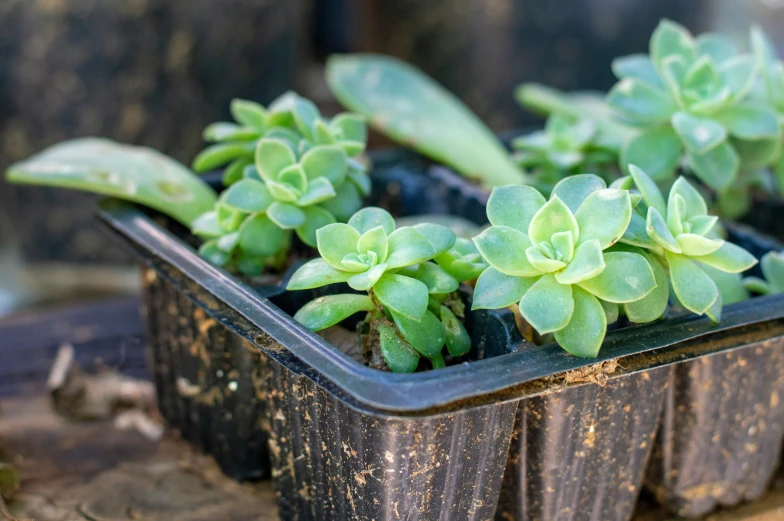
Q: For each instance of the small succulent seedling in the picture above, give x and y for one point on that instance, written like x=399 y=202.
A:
x=563 y=148
x=552 y=257
x=136 y=174
x=408 y=106
x=407 y=297
x=678 y=232
x=772 y=265
x=691 y=97
x=296 y=122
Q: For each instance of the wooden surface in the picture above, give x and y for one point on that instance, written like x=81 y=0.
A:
x=77 y=471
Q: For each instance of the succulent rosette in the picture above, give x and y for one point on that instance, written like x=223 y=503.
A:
x=408 y=297
x=551 y=258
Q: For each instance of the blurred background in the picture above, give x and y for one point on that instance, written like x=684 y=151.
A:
x=155 y=72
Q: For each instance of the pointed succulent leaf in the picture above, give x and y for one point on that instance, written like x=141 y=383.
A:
x=640 y=102
x=260 y=236
x=218 y=155
x=440 y=237
x=547 y=305
x=315 y=218
x=458 y=342
x=573 y=190
x=670 y=38
x=367 y=279
x=650 y=192
x=673 y=71
x=563 y=242
x=694 y=202
x=702 y=224
x=700 y=135
x=315 y=274
x=659 y=232
x=374 y=240
x=408 y=246
x=676 y=209
x=639 y=67
x=751 y=122
x=207 y=226
x=656 y=151
x=718 y=47
x=371 y=217
x=552 y=218
x=350 y=127
x=542 y=263
x=286 y=216
x=318 y=190
x=247 y=196
x=427 y=335
x=411 y=108
x=702 y=74
x=730 y=285
x=402 y=295
x=514 y=206
x=326 y=161
x=587 y=263
x=222 y=131
x=653 y=305
x=294 y=178
x=272 y=157
x=305 y=115
x=604 y=216
x=730 y=258
x=637 y=233
x=717 y=168
x=335 y=241
x=504 y=249
x=738 y=75
x=495 y=290
x=234 y=172
x=358 y=176
x=626 y=277
x=327 y=311
x=398 y=354
x=695 y=290
x=584 y=334
x=693 y=245
x=248 y=113
x=322 y=134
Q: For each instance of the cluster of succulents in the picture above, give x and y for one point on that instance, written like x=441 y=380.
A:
x=287 y=170
x=406 y=295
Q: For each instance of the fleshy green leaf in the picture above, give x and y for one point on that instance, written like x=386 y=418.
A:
x=272 y=157
x=438 y=281
x=234 y=172
x=772 y=265
x=695 y=245
x=411 y=108
x=287 y=216
x=548 y=305
x=611 y=311
x=659 y=232
x=214 y=255
x=637 y=66
x=552 y=218
x=695 y=290
x=504 y=249
x=248 y=113
x=218 y=155
x=439 y=236
x=588 y=262
x=222 y=131
x=367 y=279
x=402 y=295
x=757 y=285
x=346 y=202
x=495 y=290
x=695 y=204
x=514 y=206
x=627 y=277
x=573 y=190
x=751 y=122
x=319 y=190
x=542 y=263
x=315 y=274
x=641 y=102
x=717 y=46
x=370 y=217
x=656 y=151
x=702 y=224
x=206 y=226
x=584 y=334
x=458 y=342
x=738 y=75
x=260 y=236
x=700 y=135
x=407 y=246
x=563 y=242
x=305 y=115
x=654 y=304
x=335 y=241
x=398 y=354
x=427 y=335
x=716 y=168
x=374 y=240
x=248 y=196
x=650 y=192
x=670 y=38
x=730 y=258
x=229 y=218
x=637 y=233
x=327 y=161
x=327 y=311
x=756 y=154
x=604 y=216
x=315 y=218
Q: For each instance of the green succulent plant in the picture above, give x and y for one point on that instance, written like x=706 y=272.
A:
x=678 y=233
x=554 y=258
x=408 y=297
x=772 y=265
x=691 y=99
x=136 y=174
x=463 y=261
x=563 y=148
x=297 y=122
